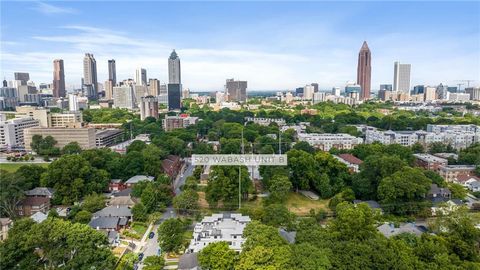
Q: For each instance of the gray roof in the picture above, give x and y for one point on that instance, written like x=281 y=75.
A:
x=188 y=261
x=438 y=191
x=389 y=230
x=289 y=236
x=104 y=222
x=114 y=211
x=372 y=204
x=137 y=178
x=125 y=192
x=38 y=217
x=40 y=191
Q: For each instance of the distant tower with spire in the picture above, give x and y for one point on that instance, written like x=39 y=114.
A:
x=364 y=71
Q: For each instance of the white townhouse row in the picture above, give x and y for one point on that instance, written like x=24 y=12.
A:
x=327 y=141
x=458 y=136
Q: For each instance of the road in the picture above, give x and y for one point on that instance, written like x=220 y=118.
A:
x=151 y=246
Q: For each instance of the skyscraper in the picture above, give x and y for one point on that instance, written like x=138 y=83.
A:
x=58 y=79
x=112 y=71
x=237 y=90
x=24 y=77
x=153 y=87
x=174 y=82
x=90 y=75
x=401 y=77
x=123 y=97
x=174 y=74
x=141 y=76
x=364 y=71
x=148 y=107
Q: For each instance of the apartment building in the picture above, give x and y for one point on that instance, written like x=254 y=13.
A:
x=451 y=172
x=327 y=141
x=66 y=119
x=181 y=121
x=430 y=162
x=12 y=131
x=226 y=227
x=265 y=121
x=108 y=137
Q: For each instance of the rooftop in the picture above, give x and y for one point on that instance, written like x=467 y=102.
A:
x=388 y=229
x=430 y=158
x=40 y=191
x=137 y=178
x=350 y=159
x=114 y=211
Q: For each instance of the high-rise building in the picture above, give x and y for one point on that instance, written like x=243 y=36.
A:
x=386 y=87
x=108 y=86
x=364 y=71
x=148 y=107
x=112 y=72
x=185 y=93
x=442 y=91
x=401 y=77
x=336 y=91
x=23 y=77
x=58 y=78
x=139 y=91
x=174 y=73
x=73 y=103
x=5 y=83
x=236 y=90
x=452 y=89
x=315 y=87
x=174 y=96
x=141 y=76
x=308 y=92
x=12 y=131
x=153 y=87
x=174 y=82
x=474 y=92
x=90 y=75
x=418 y=89
x=430 y=93
x=123 y=97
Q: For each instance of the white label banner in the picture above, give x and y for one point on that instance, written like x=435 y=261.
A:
x=237 y=160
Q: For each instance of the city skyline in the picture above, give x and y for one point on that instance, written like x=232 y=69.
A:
x=269 y=52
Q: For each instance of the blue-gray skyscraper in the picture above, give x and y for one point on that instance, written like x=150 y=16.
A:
x=174 y=82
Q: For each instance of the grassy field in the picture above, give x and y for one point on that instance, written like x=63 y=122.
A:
x=139 y=228
x=301 y=205
x=13 y=167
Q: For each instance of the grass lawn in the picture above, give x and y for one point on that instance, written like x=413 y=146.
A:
x=13 y=167
x=301 y=205
x=140 y=229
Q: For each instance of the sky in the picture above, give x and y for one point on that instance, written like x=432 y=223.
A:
x=272 y=45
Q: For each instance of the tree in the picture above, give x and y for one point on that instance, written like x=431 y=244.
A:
x=83 y=216
x=153 y=156
x=304 y=146
x=170 y=235
x=458 y=191
x=418 y=148
x=71 y=148
x=154 y=263
x=262 y=257
x=217 y=256
x=353 y=222
x=11 y=193
x=72 y=177
x=223 y=186
x=52 y=213
x=44 y=146
x=93 y=202
x=71 y=245
x=309 y=257
x=404 y=191
x=139 y=212
x=302 y=167
x=31 y=175
x=137 y=146
x=186 y=202
x=279 y=188
x=372 y=171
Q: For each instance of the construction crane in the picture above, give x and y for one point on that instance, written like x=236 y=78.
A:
x=463 y=83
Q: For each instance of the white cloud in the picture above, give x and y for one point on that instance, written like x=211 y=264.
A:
x=50 y=9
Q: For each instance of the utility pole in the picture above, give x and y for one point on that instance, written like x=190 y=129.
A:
x=240 y=178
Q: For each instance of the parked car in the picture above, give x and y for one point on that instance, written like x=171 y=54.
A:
x=140 y=256
x=151 y=235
